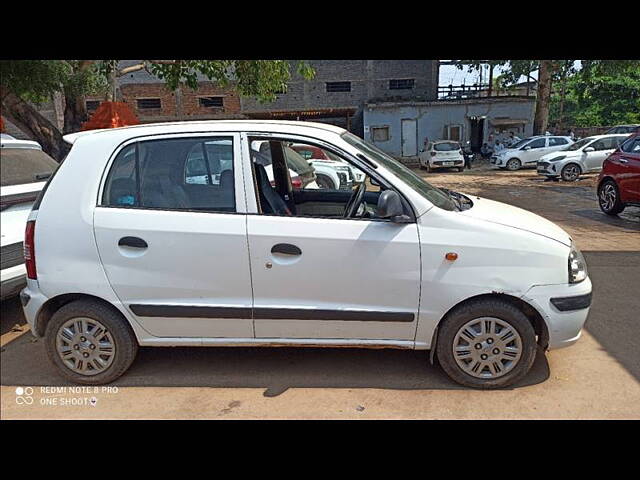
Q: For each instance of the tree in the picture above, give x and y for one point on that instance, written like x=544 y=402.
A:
x=24 y=82
x=550 y=72
x=602 y=98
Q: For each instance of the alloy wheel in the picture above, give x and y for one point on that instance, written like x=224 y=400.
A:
x=85 y=346
x=487 y=347
x=608 y=196
x=570 y=173
x=513 y=164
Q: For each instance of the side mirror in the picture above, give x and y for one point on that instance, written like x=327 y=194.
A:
x=589 y=149
x=390 y=206
x=527 y=147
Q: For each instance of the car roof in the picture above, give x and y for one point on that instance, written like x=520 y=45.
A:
x=446 y=141
x=204 y=125
x=15 y=143
x=608 y=135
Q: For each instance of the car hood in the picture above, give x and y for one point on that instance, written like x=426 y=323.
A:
x=507 y=151
x=549 y=156
x=510 y=216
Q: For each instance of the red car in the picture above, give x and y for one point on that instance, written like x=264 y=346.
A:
x=619 y=181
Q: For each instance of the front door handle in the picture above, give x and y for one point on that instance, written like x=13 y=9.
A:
x=623 y=160
x=286 y=249
x=134 y=242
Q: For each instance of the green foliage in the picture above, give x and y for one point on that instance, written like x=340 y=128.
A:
x=36 y=80
x=605 y=94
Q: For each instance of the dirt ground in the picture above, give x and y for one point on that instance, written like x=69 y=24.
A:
x=597 y=378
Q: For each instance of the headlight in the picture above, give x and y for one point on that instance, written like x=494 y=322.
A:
x=557 y=159
x=577 y=265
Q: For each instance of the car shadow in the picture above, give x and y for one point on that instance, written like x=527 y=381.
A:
x=613 y=318
x=24 y=363
x=630 y=218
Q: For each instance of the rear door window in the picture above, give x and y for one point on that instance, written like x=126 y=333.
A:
x=173 y=174
x=20 y=166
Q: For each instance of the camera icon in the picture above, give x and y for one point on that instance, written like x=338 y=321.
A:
x=24 y=395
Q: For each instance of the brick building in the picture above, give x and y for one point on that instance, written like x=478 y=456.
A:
x=341 y=88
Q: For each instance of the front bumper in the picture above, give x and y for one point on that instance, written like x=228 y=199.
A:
x=548 y=168
x=496 y=162
x=566 y=322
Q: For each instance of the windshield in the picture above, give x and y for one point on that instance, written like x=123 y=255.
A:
x=446 y=147
x=520 y=143
x=25 y=165
x=431 y=193
x=580 y=143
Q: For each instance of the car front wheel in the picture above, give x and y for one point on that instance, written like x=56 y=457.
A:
x=609 y=198
x=570 y=173
x=486 y=344
x=514 y=164
x=90 y=343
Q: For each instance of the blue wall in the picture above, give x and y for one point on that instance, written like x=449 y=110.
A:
x=433 y=116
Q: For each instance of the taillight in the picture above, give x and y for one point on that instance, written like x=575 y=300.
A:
x=296 y=182
x=29 y=250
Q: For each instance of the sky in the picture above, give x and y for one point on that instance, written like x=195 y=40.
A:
x=450 y=74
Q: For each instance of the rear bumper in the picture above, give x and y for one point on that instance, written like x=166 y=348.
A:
x=32 y=301
x=564 y=308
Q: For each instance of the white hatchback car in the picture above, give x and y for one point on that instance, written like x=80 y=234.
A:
x=442 y=154
x=527 y=152
x=584 y=156
x=24 y=169
x=123 y=252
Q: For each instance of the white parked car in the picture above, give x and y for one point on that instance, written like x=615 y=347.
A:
x=331 y=171
x=442 y=154
x=584 y=156
x=24 y=169
x=122 y=252
x=527 y=152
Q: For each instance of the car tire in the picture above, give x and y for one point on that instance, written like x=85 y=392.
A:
x=609 y=198
x=490 y=374
x=325 y=182
x=117 y=337
x=513 y=164
x=461 y=169
x=570 y=172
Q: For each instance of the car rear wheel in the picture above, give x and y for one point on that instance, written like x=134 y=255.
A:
x=513 y=164
x=570 y=172
x=486 y=344
x=609 y=198
x=90 y=343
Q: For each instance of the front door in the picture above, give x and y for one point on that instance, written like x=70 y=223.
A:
x=317 y=275
x=171 y=234
x=409 y=138
x=536 y=149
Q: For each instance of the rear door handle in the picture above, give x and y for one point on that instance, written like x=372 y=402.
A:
x=624 y=160
x=286 y=249
x=134 y=242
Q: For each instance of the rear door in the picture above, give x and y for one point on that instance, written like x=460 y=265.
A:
x=171 y=232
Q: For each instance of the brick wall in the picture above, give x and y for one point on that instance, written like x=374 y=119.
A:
x=183 y=104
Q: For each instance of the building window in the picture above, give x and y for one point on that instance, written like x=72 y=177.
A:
x=211 y=102
x=338 y=86
x=92 y=105
x=148 y=103
x=402 y=84
x=453 y=132
x=380 y=134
